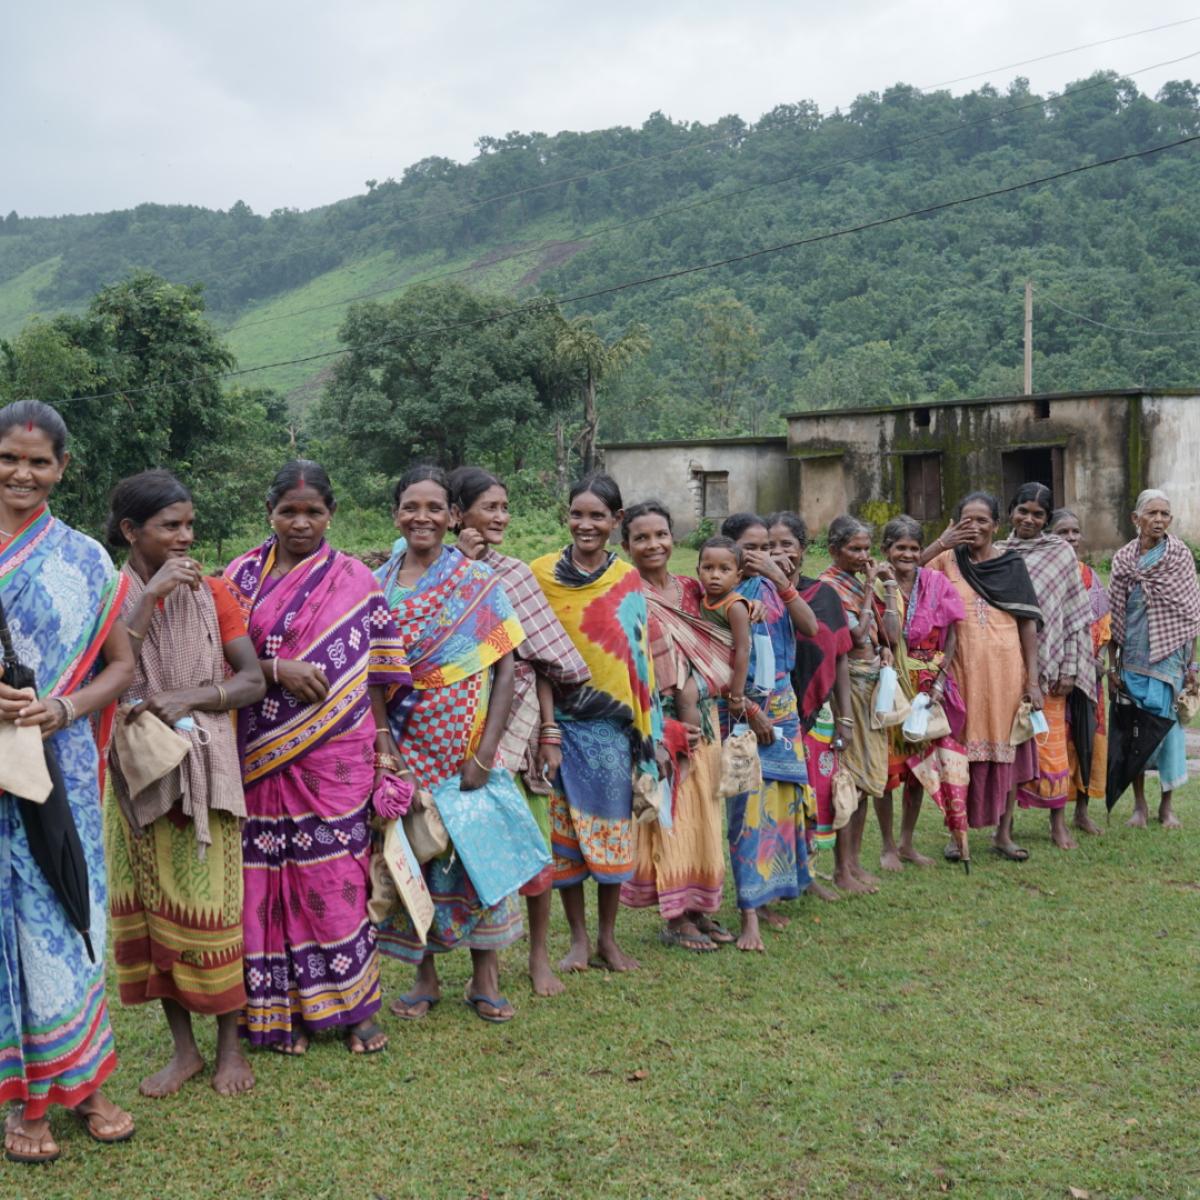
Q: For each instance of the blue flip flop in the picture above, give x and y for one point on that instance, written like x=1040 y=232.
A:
x=411 y=998
x=476 y=999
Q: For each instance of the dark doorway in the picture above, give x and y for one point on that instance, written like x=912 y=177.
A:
x=1038 y=464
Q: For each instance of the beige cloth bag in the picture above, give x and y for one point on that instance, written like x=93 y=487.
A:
x=148 y=750
x=844 y=794
x=741 y=770
x=23 y=770
x=425 y=832
x=1022 y=726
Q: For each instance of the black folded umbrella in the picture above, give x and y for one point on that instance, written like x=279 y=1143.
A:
x=1134 y=733
x=1081 y=713
x=50 y=827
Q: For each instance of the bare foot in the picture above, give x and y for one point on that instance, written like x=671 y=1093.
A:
x=233 y=1075
x=1085 y=824
x=750 y=938
x=821 y=892
x=1167 y=819
x=173 y=1076
x=889 y=860
x=772 y=919
x=543 y=978
x=1063 y=840
x=1138 y=820
x=872 y=881
x=296 y=1048
x=29 y=1141
x=366 y=1038
x=848 y=882
x=577 y=957
x=613 y=957
x=909 y=855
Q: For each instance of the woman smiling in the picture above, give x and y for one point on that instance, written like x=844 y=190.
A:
x=61 y=598
x=608 y=726
x=459 y=630
x=544 y=660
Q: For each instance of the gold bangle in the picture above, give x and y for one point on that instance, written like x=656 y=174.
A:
x=481 y=765
x=222 y=698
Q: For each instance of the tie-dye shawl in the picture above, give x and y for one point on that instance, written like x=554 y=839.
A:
x=326 y=611
x=455 y=623
x=607 y=620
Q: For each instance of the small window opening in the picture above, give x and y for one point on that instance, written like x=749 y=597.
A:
x=1041 y=410
x=921 y=418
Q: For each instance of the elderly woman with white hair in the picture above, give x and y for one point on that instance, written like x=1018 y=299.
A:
x=1156 y=618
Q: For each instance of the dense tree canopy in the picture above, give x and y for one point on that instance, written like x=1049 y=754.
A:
x=144 y=348
x=927 y=307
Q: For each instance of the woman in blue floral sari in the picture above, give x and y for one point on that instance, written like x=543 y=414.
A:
x=767 y=847
x=61 y=597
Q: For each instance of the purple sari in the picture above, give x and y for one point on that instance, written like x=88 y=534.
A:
x=310 y=949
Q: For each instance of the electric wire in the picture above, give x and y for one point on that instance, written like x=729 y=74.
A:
x=678 y=273
x=703 y=201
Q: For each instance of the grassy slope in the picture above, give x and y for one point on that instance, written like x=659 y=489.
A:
x=1007 y=1034
x=18 y=296
x=316 y=332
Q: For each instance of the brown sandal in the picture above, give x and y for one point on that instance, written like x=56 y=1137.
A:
x=19 y=1131
x=93 y=1119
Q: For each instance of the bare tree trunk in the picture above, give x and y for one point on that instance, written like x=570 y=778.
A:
x=560 y=458
x=591 y=425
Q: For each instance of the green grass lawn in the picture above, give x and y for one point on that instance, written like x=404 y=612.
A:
x=1012 y=1033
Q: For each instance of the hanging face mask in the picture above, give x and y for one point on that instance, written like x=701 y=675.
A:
x=764 y=661
x=1037 y=719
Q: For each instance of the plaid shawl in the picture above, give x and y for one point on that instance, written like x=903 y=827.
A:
x=546 y=651
x=681 y=640
x=1171 y=591
x=182 y=649
x=1065 y=638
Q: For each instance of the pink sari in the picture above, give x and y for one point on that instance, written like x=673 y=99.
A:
x=310 y=949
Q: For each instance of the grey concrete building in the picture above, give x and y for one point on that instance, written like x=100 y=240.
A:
x=1095 y=450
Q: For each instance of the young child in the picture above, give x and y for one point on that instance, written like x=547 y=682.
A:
x=720 y=571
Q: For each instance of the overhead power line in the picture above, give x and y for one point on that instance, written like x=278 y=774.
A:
x=1180 y=333
x=1059 y=53
x=679 y=273
x=703 y=201
x=640 y=160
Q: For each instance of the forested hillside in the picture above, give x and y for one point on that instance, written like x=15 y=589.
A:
x=927 y=306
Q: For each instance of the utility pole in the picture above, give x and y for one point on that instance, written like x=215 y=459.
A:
x=1029 y=337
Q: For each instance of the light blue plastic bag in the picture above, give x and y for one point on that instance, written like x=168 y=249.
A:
x=494 y=834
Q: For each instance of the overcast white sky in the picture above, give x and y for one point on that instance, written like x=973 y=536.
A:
x=207 y=102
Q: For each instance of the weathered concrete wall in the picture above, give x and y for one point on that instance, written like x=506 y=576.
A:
x=668 y=471
x=1171 y=440
x=1093 y=432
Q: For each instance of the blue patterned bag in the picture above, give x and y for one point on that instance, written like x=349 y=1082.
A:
x=494 y=834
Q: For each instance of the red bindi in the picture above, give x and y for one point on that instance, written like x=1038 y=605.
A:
x=28 y=426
